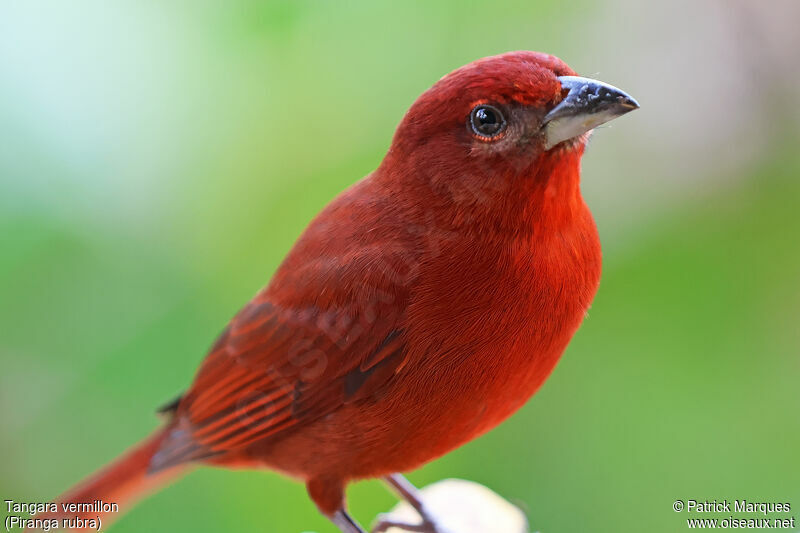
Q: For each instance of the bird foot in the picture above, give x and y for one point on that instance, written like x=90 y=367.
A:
x=385 y=523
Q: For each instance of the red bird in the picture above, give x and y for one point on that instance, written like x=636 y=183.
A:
x=417 y=311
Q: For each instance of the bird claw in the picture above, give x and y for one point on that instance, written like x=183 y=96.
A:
x=384 y=523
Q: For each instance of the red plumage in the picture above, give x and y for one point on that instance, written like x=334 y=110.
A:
x=418 y=310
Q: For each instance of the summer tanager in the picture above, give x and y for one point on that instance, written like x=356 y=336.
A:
x=418 y=310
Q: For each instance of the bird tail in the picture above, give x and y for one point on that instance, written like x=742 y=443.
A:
x=114 y=489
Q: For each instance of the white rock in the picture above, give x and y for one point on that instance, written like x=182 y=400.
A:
x=460 y=506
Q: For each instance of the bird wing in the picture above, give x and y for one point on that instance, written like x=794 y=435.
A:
x=274 y=367
x=327 y=331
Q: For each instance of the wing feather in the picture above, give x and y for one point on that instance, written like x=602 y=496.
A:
x=274 y=367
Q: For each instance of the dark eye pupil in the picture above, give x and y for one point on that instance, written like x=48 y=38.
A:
x=487 y=121
x=486 y=117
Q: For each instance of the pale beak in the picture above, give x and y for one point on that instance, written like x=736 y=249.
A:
x=588 y=104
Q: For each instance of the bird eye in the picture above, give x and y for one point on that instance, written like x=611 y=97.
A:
x=487 y=121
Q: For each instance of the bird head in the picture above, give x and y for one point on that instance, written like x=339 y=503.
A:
x=513 y=107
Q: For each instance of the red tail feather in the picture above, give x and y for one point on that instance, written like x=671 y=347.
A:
x=122 y=482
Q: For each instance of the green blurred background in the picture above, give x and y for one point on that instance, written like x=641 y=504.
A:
x=158 y=159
